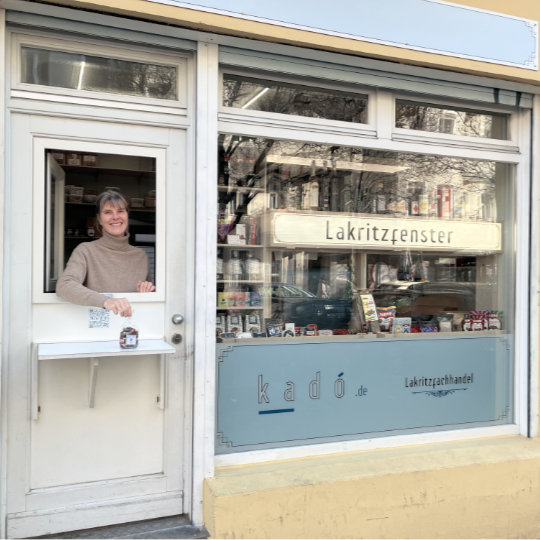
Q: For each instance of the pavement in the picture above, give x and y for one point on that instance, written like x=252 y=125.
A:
x=169 y=527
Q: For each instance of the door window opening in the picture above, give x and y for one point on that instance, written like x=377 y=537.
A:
x=73 y=182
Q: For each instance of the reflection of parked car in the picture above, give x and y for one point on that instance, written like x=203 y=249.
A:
x=290 y=303
x=425 y=297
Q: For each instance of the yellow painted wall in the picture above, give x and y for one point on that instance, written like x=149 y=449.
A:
x=473 y=489
x=222 y=24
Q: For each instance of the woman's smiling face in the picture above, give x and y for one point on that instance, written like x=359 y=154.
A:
x=113 y=219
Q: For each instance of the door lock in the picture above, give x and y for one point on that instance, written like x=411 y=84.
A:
x=176 y=339
x=177 y=318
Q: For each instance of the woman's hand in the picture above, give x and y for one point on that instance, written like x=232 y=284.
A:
x=145 y=286
x=119 y=306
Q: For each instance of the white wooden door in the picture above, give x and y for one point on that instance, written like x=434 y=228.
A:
x=124 y=455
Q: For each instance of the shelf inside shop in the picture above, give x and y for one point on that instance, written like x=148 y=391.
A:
x=240 y=247
x=238 y=308
x=241 y=189
x=240 y=281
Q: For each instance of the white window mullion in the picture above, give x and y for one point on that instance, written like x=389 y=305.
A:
x=205 y=270
x=385 y=114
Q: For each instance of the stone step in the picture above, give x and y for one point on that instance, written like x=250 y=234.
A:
x=169 y=527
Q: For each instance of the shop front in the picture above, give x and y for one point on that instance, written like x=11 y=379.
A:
x=341 y=338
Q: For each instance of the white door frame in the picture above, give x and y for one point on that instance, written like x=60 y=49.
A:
x=31 y=514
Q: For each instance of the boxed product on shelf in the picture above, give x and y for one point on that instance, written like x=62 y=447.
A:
x=253 y=232
x=288 y=329
x=75 y=194
x=241 y=299
x=73 y=159
x=235 y=240
x=274 y=327
x=89 y=160
x=312 y=330
x=60 y=157
x=240 y=231
x=234 y=324
x=326 y=332
x=252 y=323
x=482 y=320
x=445 y=322
x=220 y=324
x=402 y=325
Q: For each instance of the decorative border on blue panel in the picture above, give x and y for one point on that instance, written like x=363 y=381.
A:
x=433 y=26
x=286 y=392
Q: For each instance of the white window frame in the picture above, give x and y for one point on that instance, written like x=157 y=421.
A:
x=387 y=137
x=428 y=137
x=40 y=145
x=43 y=41
x=295 y=121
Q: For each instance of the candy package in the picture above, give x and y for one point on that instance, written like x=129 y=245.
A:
x=386 y=317
x=428 y=327
x=234 y=324
x=312 y=330
x=252 y=323
x=402 y=325
x=479 y=320
x=129 y=336
x=444 y=322
x=495 y=320
x=274 y=327
x=220 y=324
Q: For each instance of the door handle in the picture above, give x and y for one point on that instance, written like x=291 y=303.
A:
x=177 y=318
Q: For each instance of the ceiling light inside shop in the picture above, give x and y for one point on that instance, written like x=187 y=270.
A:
x=255 y=98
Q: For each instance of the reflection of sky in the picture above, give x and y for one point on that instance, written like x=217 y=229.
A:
x=423 y=24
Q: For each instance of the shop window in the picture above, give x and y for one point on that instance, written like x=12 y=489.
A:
x=453 y=121
x=80 y=71
x=254 y=94
x=361 y=293
x=73 y=182
x=332 y=241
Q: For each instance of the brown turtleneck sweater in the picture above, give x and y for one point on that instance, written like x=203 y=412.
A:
x=109 y=264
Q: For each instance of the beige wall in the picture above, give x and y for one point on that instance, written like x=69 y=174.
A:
x=237 y=27
x=480 y=489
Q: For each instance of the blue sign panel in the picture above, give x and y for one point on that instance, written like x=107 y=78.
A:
x=287 y=393
x=428 y=25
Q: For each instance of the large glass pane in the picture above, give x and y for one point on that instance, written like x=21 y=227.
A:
x=451 y=120
x=305 y=230
x=98 y=74
x=270 y=96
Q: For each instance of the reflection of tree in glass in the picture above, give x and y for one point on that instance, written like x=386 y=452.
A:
x=431 y=118
x=131 y=78
x=295 y=99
